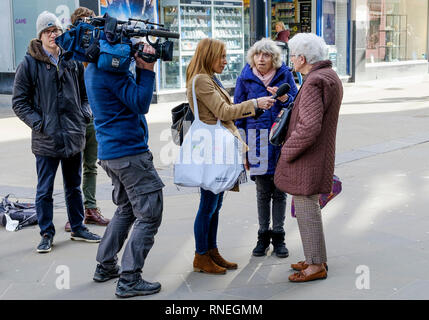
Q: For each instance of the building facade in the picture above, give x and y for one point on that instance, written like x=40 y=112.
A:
x=367 y=39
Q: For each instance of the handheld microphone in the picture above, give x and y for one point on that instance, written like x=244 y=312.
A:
x=282 y=90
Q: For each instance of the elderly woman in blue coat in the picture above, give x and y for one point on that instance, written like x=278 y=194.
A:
x=262 y=76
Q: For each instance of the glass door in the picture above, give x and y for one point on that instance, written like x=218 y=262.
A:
x=333 y=26
x=170 y=71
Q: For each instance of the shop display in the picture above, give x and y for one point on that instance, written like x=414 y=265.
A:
x=232 y=70
x=195 y=24
x=283 y=11
x=171 y=70
x=393 y=38
x=196 y=20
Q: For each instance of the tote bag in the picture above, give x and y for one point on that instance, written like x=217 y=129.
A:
x=210 y=157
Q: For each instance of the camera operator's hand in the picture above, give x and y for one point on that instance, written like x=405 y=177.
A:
x=140 y=63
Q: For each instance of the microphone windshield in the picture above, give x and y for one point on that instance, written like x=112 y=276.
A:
x=282 y=90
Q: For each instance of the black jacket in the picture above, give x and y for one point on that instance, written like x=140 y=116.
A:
x=52 y=102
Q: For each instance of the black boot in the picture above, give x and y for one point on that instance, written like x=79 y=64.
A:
x=280 y=249
x=263 y=243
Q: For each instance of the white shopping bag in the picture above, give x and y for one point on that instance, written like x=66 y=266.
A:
x=210 y=157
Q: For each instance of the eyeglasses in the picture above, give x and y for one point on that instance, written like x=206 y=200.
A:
x=56 y=31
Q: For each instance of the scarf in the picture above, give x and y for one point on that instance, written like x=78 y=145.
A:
x=218 y=82
x=266 y=79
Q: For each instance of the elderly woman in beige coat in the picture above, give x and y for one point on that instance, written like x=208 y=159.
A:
x=214 y=103
x=306 y=165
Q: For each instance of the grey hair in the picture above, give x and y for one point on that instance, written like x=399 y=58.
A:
x=309 y=45
x=265 y=45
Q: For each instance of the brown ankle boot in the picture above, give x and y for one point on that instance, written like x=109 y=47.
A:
x=94 y=216
x=217 y=258
x=203 y=263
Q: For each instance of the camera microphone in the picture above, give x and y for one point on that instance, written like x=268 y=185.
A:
x=282 y=90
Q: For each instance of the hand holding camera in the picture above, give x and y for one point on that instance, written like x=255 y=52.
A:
x=142 y=64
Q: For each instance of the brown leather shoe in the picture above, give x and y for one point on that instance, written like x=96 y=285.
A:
x=302 y=277
x=217 y=258
x=301 y=265
x=94 y=216
x=203 y=263
x=67 y=227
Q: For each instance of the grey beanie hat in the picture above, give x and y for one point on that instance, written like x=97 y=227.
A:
x=46 y=20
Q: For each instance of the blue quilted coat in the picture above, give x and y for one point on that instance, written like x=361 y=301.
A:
x=262 y=155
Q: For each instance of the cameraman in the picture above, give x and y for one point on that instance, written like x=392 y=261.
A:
x=119 y=103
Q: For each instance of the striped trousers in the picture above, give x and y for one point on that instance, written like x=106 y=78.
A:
x=309 y=218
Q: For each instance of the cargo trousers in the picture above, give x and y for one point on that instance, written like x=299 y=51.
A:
x=137 y=191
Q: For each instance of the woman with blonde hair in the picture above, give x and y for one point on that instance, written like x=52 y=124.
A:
x=214 y=103
x=282 y=33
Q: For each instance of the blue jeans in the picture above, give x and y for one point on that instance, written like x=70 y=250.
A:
x=206 y=221
x=72 y=175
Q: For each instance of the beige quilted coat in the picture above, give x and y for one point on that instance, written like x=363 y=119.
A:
x=306 y=163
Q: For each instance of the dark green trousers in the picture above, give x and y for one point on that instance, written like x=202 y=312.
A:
x=89 y=182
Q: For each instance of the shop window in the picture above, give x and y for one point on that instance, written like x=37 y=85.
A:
x=196 y=20
x=25 y=15
x=335 y=33
x=397 y=30
x=295 y=16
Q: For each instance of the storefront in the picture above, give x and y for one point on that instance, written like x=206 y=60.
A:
x=393 y=37
x=296 y=16
x=367 y=39
x=195 y=20
x=327 y=18
x=392 y=30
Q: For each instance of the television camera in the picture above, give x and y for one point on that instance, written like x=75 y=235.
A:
x=90 y=38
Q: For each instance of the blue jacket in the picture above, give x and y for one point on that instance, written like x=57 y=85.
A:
x=119 y=103
x=249 y=86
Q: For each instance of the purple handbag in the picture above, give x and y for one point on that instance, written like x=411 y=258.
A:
x=325 y=197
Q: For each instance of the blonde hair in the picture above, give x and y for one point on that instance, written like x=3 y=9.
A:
x=207 y=52
x=281 y=24
x=265 y=45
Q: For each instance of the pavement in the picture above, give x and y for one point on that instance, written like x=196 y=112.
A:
x=377 y=229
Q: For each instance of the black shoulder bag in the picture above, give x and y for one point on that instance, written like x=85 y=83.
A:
x=279 y=128
x=182 y=118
